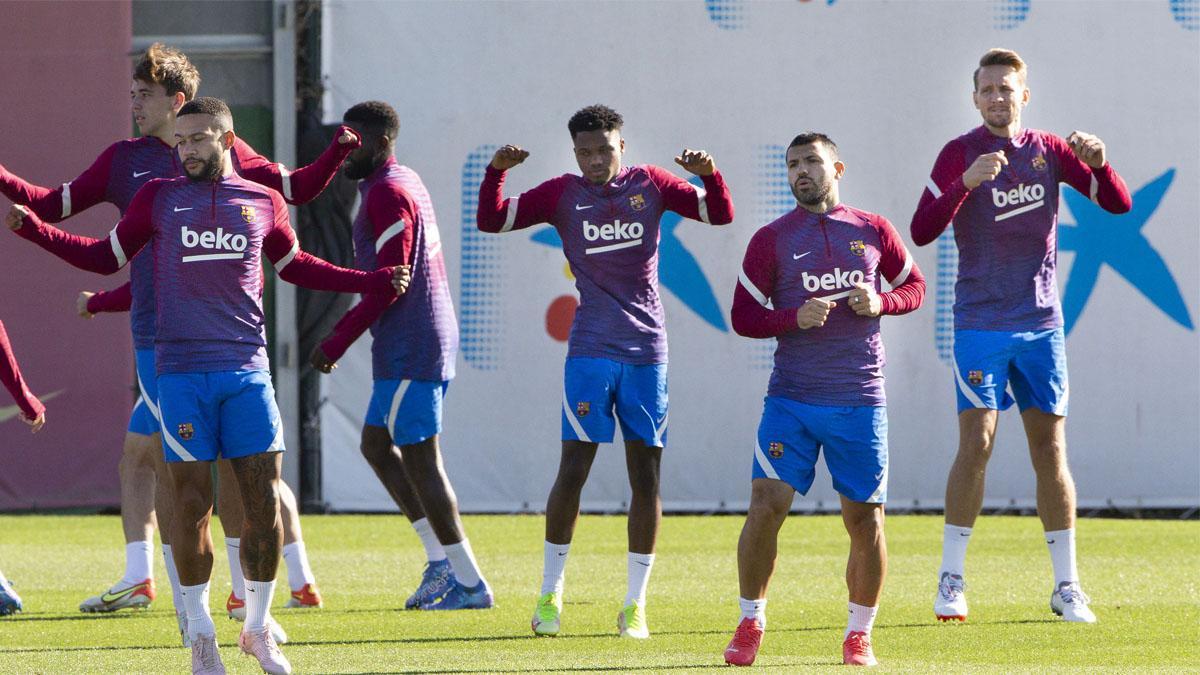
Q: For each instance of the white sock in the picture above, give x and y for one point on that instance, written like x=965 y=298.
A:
x=1062 y=555
x=233 y=548
x=554 y=564
x=258 y=603
x=433 y=548
x=639 y=565
x=139 y=562
x=861 y=619
x=173 y=577
x=954 y=549
x=299 y=573
x=462 y=561
x=195 y=600
x=754 y=609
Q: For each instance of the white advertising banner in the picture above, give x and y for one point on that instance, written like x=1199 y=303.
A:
x=890 y=82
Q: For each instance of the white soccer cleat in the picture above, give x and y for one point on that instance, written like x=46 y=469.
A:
x=950 y=601
x=206 y=660
x=261 y=646
x=1071 y=603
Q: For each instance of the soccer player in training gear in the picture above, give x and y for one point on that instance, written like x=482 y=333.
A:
x=32 y=412
x=813 y=280
x=163 y=80
x=608 y=219
x=999 y=184
x=413 y=353
x=209 y=231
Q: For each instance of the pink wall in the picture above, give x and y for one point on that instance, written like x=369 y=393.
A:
x=65 y=79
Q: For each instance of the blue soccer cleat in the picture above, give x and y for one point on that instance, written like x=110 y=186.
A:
x=461 y=597
x=435 y=581
x=10 y=602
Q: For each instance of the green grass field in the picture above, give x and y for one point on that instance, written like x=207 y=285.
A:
x=1142 y=576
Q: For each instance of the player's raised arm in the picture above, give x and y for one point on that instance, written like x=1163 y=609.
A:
x=304 y=184
x=55 y=204
x=103 y=256
x=944 y=194
x=752 y=314
x=32 y=410
x=298 y=267
x=497 y=214
x=1083 y=159
x=391 y=215
x=710 y=204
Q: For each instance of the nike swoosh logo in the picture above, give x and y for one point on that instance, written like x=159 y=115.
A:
x=963 y=534
x=186 y=208
x=110 y=597
x=139 y=175
x=561 y=554
x=580 y=208
x=11 y=411
x=879 y=476
x=642 y=563
x=797 y=257
x=1050 y=541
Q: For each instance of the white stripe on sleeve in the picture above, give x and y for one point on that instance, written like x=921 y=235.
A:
x=903 y=275
x=283 y=262
x=392 y=230
x=933 y=188
x=752 y=289
x=701 y=196
x=510 y=218
x=66 y=199
x=118 y=252
x=1094 y=189
x=286 y=177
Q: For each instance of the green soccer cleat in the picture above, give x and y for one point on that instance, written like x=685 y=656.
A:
x=547 y=615
x=631 y=622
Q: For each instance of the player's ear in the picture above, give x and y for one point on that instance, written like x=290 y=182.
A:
x=177 y=101
x=227 y=139
x=1025 y=97
x=622 y=146
x=838 y=169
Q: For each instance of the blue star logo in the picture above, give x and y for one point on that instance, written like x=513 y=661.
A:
x=678 y=270
x=1101 y=238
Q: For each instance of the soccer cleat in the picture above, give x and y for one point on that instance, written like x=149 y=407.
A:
x=547 y=616
x=181 y=619
x=1071 y=603
x=261 y=646
x=743 y=648
x=307 y=597
x=435 y=581
x=461 y=597
x=236 y=608
x=856 y=650
x=206 y=660
x=10 y=602
x=631 y=621
x=950 y=601
x=135 y=596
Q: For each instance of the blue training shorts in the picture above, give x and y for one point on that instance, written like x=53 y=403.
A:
x=144 y=418
x=792 y=434
x=221 y=415
x=411 y=410
x=1033 y=365
x=594 y=388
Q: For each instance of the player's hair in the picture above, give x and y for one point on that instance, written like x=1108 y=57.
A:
x=168 y=66
x=595 y=118
x=207 y=105
x=809 y=137
x=376 y=117
x=1000 y=57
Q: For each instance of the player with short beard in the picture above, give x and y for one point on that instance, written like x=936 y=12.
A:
x=608 y=220
x=163 y=80
x=813 y=280
x=413 y=352
x=999 y=184
x=208 y=238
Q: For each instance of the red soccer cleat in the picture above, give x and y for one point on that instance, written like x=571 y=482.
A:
x=745 y=643
x=235 y=607
x=308 y=597
x=856 y=650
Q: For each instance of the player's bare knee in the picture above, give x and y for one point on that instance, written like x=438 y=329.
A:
x=864 y=524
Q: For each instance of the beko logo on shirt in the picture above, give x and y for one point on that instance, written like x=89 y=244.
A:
x=220 y=240
x=832 y=280
x=1027 y=197
x=626 y=234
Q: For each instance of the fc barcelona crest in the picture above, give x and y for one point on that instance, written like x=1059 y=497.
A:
x=1039 y=162
x=583 y=408
x=637 y=202
x=775 y=449
x=975 y=377
x=857 y=247
x=186 y=431
x=248 y=214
